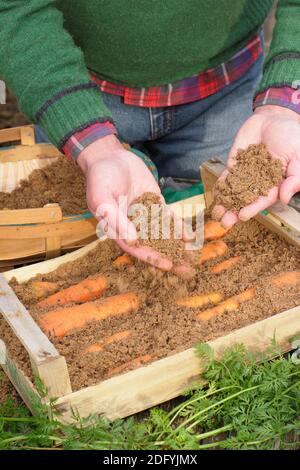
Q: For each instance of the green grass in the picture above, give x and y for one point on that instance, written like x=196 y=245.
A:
x=246 y=405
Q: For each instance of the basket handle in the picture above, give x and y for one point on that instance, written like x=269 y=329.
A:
x=23 y=134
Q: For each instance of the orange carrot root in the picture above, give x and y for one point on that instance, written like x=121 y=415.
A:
x=123 y=260
x=197 y=301
x=214 y=230
x=229 y=305
x=137 y=362
x=63 y=321
x=96 y=347
x=86 y=290
x=42 y=289
x=212 y=250
x=288 y=278
x=229 y=263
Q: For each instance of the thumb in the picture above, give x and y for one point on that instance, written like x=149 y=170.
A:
x=288 y=188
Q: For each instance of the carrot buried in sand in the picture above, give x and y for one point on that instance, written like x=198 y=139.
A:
x=212 y=250
x=96 y=347
x=227 y=264
x=229 y=305
x=214 y=230
x=134 y=364
x=65 y=320
x=287 y=278
x=123 y=260
x=85 y=291
x=42 y=289
x=198 y=301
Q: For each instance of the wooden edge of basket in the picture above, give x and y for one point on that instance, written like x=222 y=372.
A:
x=48 y=214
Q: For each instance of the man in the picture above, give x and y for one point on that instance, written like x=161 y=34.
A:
x=175 y=78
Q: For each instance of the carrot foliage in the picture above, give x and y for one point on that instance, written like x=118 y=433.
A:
x=248 y=402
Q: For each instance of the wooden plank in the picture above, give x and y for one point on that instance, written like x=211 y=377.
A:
x=53 y=247
x=167 y=378
x=62 y=229
x=27 y=135
x=211 y=170
x=287 y=215
x=43 y=215
x=19 y=380
x=27 y=272
x=21 y=152
x=10 y=135
x=13 y=250
x=36 y=343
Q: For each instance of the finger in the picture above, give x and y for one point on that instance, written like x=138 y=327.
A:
x=147 y=255
x=184 y=271
x=116 y=217
x=218 y=212
x=289 y=187
x=229 y=219
x=262 y=203
x=181 y=227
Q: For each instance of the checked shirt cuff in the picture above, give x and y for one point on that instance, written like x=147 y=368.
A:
x=80 y=140
x=285 y=96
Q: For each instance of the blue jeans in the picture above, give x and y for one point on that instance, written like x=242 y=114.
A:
x=179 y=138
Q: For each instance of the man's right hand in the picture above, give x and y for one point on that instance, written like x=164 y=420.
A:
x=111 y=172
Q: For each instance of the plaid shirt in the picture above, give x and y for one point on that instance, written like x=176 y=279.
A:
x=183 y=91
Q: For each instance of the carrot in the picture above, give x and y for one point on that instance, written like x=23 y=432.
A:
x=123 y=260
x=96 y=347
x=86 y=290
x=133 y=364
x=214 y=230
x=200 y=300
x=218 y=268
x=43 y=288
x=229 y=305
x=212 y=250
x=287 y=278
x=63 y=321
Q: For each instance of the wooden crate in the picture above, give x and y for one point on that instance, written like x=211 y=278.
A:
x=33 y=234
x=146 y=386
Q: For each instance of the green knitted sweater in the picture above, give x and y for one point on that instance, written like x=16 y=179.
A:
x=47 y=47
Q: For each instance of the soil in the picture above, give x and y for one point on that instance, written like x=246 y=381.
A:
x=10 y=116
x=156 y=216
x=254 y=174
x=159 y=327
x=60 y=182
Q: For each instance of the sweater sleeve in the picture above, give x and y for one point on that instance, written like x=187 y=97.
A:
x=42 y=65
x=282 y=65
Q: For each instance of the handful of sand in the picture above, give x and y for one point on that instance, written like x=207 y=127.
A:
x=254 y=174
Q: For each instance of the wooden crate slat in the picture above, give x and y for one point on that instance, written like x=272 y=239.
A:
x=36 y=343
x=167 y=378
x=19 y=380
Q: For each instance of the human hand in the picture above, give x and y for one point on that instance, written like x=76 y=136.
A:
x=113 y=172
x=279 y=129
